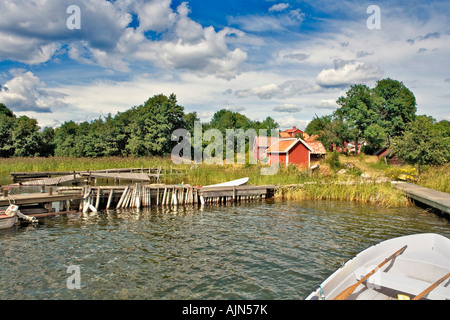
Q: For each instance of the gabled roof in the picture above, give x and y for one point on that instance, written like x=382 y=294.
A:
x=294 y=129
x=284 y=135
x=284 y=145
x=317 y=147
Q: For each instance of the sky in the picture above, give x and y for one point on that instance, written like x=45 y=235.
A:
x=79 y=60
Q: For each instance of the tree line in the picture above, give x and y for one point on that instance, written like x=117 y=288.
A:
x=384 y=116
x=144 y=130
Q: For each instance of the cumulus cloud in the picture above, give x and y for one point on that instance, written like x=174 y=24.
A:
x=26 y=92
x=285 y=90
x=347 y=72
x=34 y=32
x=288 y=108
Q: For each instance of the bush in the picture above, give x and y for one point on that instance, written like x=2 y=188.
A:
x=334 y=162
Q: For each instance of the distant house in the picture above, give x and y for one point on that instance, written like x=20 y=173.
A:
x=388 y=156
x=260 y=146
x=318 y=150
x=290 y=151
x=291 y=133
x=349 y=147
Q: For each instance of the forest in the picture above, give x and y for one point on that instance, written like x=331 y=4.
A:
x=375 y=117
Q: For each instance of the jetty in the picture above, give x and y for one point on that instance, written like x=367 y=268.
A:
x=56 y=178
x=95 y=198
x=432 y=198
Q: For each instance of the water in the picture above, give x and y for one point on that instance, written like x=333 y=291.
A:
x=265 y=250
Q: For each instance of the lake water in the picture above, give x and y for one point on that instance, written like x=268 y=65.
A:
x=263 y=250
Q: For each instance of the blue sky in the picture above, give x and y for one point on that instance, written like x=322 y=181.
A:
x=290 y=60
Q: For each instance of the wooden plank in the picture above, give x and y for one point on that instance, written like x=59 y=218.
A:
x=50 y=181
x=33 y=198
x=433 y=198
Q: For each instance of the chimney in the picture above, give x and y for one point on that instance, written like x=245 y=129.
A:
x=295 y=128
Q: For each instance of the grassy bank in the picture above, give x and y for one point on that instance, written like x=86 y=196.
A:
x=383 y=194
x=334 y=181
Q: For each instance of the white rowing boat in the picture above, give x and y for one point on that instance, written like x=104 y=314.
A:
x=405 y=267
x=238 y=182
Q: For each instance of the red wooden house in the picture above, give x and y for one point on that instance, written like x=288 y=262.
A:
x=291 y=132
x=287 y=151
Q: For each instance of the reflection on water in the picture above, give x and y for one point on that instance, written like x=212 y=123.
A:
x=263 y=250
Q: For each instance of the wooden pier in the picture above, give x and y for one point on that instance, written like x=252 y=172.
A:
x=95 y=198
x=435 y=199
x=56 y=178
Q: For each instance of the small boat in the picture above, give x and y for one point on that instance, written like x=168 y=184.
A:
x=238 y=182
x=9 y=217
x=404 y=268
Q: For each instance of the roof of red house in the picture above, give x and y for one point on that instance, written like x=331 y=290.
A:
x=317 y=147
x=284 y=135
x=284 y=145
x=265 y=141
x=294 y=129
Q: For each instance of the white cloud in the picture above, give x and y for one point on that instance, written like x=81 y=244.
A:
x=34 y=32
x=288 y=108
x=260 y=23
x=346 y=73
x=26 y=92
x=279 y=7
x=285 y=90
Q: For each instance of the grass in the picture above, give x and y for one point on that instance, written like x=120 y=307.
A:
x=326 y=184
x=382 y=194
x=437 y=178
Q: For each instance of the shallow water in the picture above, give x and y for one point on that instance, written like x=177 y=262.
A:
x=263 y=250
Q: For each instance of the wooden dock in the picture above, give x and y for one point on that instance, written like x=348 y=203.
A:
x=435 y=199
x=96 y=198
x=56 y=178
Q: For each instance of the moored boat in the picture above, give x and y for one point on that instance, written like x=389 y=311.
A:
x=238 y=182
x=9 y=217
x=408 y=267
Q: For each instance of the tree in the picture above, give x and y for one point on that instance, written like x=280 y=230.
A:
x=7 y=122
x=422 y=144
x=376 y=114
x=153 y=124
x=396 y=105
x=26 y=140
x=359 y=110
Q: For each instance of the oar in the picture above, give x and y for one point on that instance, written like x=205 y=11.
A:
x=344 y=294
x=431 y=288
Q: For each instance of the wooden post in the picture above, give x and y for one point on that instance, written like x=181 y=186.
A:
x=111 y=196
x=122 y=198
x=157 y=197
x=97 y=202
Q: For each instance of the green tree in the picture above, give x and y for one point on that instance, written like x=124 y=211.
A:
x=66 y=137
x=47 y=148
x=396 y=105
x=26 y=139
x=422 y=144
x=7 y=122
x=153 y=125
x=359 y=110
